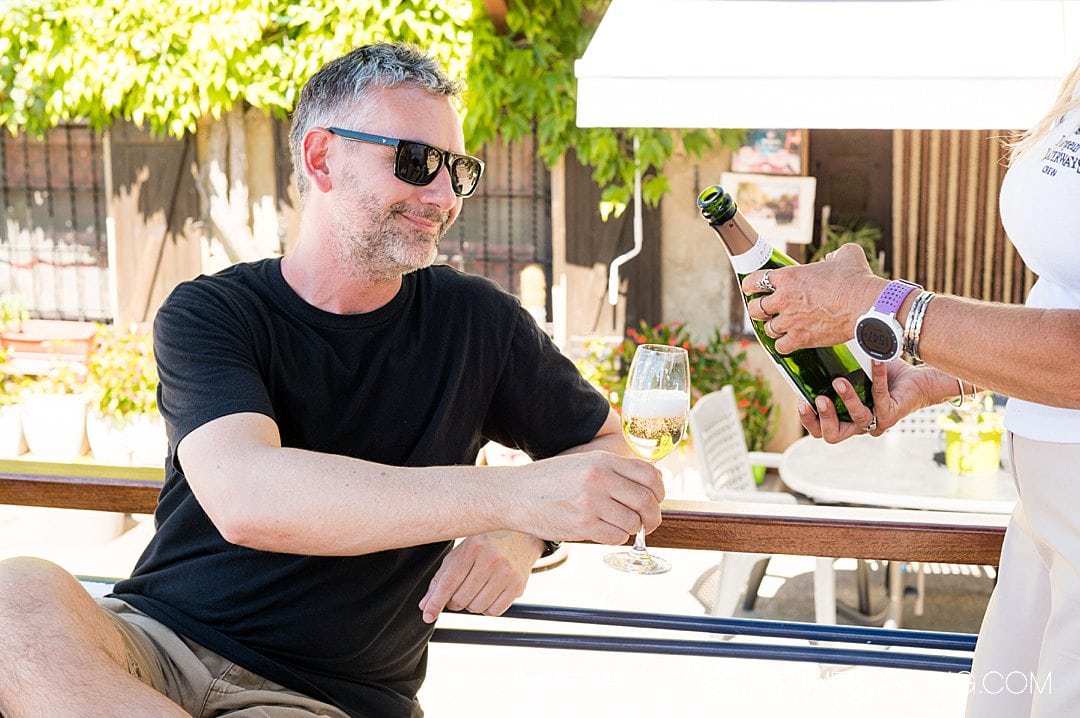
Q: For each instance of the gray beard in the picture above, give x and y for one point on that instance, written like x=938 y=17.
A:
x=383 y=251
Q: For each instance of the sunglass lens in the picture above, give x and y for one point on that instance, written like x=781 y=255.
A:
x=465 y=174
x=417 y=163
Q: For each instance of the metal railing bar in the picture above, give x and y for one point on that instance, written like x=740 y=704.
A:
x=806 y=654
x=937 y=640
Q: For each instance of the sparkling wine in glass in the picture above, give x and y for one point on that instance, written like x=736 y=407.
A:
x=655 y=408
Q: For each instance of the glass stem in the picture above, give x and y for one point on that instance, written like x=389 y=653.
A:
x=639 y=542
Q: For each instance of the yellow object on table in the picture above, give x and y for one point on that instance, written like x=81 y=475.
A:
x=972 y=444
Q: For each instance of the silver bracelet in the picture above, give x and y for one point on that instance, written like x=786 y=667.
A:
x=913 y=325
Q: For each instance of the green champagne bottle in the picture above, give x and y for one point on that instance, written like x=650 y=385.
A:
x=811 y=371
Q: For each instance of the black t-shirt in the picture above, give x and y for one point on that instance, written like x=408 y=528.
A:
x=448 y=363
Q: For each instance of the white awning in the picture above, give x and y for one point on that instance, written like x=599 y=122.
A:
x=910 y=64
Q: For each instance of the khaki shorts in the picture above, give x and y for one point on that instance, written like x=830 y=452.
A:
x=200 y=681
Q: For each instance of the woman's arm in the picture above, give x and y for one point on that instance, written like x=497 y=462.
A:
x=1018 y=351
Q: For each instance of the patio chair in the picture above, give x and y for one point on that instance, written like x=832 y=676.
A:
x=726 y=475
x=923 y=422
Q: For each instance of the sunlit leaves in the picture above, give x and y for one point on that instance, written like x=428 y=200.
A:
x=164 y=64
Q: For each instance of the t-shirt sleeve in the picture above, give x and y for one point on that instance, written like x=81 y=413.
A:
x=542 y=404
x=207 y=362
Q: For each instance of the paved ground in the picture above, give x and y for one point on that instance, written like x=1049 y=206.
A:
x=474 y=682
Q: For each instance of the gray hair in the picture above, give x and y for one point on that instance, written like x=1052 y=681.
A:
x=343 y=85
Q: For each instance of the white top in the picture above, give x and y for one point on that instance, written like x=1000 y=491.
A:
x=1040 y=209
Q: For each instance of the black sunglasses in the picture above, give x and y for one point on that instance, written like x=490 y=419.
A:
x=419 y=164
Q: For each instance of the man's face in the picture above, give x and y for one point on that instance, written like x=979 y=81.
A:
x=384 y=226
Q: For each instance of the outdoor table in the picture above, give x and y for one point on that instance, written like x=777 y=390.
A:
x=896 y=470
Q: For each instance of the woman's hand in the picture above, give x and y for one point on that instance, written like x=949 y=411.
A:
x=813 y=305
x=898 y=389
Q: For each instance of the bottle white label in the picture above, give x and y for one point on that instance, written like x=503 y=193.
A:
x=860 y=356
x=754 y=259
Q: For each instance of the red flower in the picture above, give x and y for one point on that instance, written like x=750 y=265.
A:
x=744 y=343
x=743 y=403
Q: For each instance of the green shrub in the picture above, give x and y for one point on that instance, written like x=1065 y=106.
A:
x=718 y=361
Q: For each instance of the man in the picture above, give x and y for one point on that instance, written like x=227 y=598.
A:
x=323 y=414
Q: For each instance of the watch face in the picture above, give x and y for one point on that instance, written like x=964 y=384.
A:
x=877 y=339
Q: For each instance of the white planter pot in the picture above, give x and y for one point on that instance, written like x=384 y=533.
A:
x=147 y=440
x=108 y=439
x=138 y=439
x=55 y=425
x=12 y=442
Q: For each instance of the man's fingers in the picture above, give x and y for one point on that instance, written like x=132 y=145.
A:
x=503 y=602
x=642 y=505
x=620 y=515
x=466 y=594
x=642 y=473
x=433 y=603
x=483 y=600
x=443 y=586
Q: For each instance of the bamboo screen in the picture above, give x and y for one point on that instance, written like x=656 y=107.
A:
x=947 y=234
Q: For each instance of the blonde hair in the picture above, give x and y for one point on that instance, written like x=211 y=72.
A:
x=1064 y=103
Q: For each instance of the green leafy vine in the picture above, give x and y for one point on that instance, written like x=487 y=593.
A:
x=164 y=64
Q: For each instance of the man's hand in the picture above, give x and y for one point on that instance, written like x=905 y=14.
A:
x=594 y=496
x=482 y=574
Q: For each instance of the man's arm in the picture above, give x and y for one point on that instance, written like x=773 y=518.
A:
x=263 y=496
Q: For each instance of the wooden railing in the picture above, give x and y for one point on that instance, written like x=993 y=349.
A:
x=802 y=530
x=718 y=526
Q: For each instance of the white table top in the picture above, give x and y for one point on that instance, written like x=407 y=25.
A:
x=894 y=470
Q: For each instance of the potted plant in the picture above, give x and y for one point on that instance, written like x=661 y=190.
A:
x=54 y=411
x=123 y=424
x=865 y=234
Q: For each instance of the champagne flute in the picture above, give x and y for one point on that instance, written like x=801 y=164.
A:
x=655 y=409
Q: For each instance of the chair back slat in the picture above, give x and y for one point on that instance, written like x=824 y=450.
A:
x=923 y=422
x=721 y=446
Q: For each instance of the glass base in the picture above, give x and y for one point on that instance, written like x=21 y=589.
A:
x=637 y=562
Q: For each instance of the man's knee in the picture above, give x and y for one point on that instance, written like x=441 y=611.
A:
x=27 y=583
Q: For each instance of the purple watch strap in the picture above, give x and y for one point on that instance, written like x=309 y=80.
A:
x=893 y=295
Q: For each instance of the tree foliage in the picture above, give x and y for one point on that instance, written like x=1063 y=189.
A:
x=163 y=64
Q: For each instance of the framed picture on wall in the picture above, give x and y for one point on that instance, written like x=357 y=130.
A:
x=771 y=152
x=780 y=208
